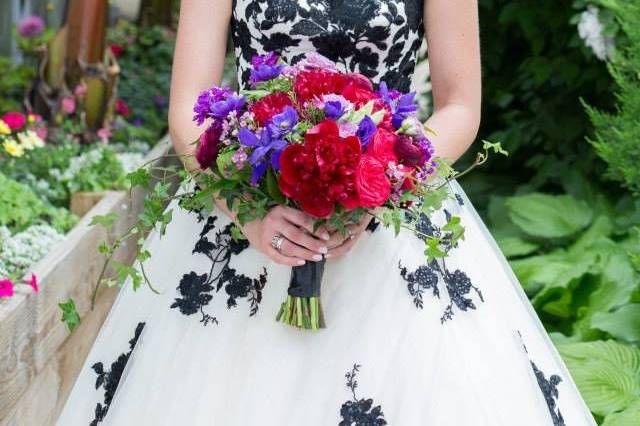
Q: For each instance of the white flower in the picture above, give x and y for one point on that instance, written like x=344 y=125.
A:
x=24 y=249
x=130 y=161
x=30 y=140
x=591 y=32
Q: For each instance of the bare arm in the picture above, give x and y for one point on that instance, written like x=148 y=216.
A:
x=454 y=60
x=198 y=65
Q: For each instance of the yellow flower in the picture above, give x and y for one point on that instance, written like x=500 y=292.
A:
x=31 y=118
x=13 y=148
x=30 y=140
x=4 y=128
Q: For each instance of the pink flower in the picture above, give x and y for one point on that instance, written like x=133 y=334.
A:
x=104 y=134
x=80 y=91
x=33 y=282
x=31 y=26
x=41 y=132
x=15 y=120
x=68 y=105
x=6 y=287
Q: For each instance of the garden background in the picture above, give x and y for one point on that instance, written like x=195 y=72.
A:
x=561 y=93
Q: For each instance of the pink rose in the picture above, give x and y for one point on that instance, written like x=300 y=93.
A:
x=372 y=183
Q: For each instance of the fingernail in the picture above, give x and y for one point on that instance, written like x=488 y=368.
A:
x=323 y=250
x=317 y=257
x=326 y=256
x=326 y=236
x=301 y=262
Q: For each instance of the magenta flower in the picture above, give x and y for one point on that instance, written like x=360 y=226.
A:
x=31 y=26
x=6 y=287
x=68 y=105
x=209 y=145
x=33 y=282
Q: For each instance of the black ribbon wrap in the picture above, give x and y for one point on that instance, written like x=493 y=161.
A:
x=306 y=279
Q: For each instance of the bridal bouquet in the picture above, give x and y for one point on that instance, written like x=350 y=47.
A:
x=324 y=141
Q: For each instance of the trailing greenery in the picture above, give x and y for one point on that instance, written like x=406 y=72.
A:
x=617 y=134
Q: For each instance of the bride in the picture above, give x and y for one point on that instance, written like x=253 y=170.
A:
x=407 y=343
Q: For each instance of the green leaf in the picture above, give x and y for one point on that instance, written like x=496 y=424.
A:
x=514 y=246
x=139 y=177
x=549 y=216
x=70 y=315
x=623 y=323
x=606 y=372
x=496 y=147
x=628 y=417
x=273 y=189
x=105 y=220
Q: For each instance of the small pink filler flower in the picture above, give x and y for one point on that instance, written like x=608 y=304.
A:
x=6 y=288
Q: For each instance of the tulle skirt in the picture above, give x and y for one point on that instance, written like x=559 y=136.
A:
x=452 y=342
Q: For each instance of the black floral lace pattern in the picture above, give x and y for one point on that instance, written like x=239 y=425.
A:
x=548 y=387
x=359 y=411
x=110 y=379
x=429 y=276
x=197 y=290
x=377 y=38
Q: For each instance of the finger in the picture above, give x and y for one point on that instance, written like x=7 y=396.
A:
x=343 y=248
x=304 y=221
x=278 y=257
x=293 y=250
x=301 y=238
x=338 y=238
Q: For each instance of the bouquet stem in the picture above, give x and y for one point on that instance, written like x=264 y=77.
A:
x=302 y=307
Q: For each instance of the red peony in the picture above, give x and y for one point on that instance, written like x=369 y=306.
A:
x=371 y=182
x=382 y=146
x=15 y=120
x=270 y=105
x=313 y=84
x=208 y=147
x=321 y=172
x=122 y=108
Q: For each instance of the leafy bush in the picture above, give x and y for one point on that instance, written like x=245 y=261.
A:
x=22 y=208
x=97 y=169
x=617 y=134
x=13 y=84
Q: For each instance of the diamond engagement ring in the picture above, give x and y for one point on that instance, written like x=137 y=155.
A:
x=276 y=242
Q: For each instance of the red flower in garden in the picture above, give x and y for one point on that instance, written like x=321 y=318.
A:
x=15 y=120
x=209 y=144
x=270 y=105
x=122 y=108
x=321 y=172
x=382 y=146
x=33 y=283
x=372 y=183
x=313 y=84
x=116 y=49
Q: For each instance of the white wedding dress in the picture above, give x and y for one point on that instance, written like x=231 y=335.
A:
x=406 y=344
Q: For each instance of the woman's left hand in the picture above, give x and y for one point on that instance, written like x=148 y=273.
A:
x=340 y=244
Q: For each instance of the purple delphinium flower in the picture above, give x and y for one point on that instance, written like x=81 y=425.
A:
x=202 y=107
x=333 y=109
x=366 y=129
x=265 y=67
x=403 y=108
x=387 y=96
x=31 y=26
x=266 y=151
x=222 y=108
x=283 y=123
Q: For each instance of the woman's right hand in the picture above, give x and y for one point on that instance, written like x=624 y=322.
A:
x=301 y=243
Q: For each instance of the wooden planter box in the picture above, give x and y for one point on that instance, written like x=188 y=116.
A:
x=39 y=358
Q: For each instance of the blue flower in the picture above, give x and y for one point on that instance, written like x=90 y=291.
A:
x=402 y=106
x=222 y=108
x=265 y=67
x=333 y=109
x=266 y=151
x=283 y=123
x=366 y=130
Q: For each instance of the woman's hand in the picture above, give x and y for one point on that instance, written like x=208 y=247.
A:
x=300 y=243
x=340 y=244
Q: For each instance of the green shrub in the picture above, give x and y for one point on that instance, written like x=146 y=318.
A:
x=22 y=208
x=617 y=134
x=13 y=84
